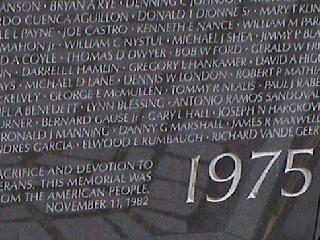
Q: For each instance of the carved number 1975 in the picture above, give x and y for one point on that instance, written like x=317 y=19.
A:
x=235 y=176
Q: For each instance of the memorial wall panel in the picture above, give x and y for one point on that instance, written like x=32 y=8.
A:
x=159 y=119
